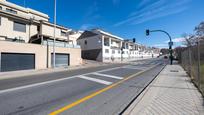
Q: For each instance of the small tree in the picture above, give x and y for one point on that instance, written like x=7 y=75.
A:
x=200 y=29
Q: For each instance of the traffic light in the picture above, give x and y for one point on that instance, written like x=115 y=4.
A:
x=147 y=32
x=134 y=40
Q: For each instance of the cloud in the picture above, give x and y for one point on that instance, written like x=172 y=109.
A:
x=87 y=26
x=143 y=2
x=155 y=10
x=177 y=40
x=92 y=12
x=161 y=45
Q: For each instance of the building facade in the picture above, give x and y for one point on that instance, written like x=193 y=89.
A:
x=27 y=34
x=99 y=45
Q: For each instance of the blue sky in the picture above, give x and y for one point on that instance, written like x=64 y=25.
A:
x=126 y=18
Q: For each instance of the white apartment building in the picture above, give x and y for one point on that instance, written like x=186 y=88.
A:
x=102 y=46
x=27 y=33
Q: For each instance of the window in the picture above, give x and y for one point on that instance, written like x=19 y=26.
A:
x=38 y=28
x=118 y=51
x=21 y=27
x=11 y=11
x=0 y=21
x=0 y=7
x=113 y=51
x=106 y=42
x=85 y=42
x=106 y=50
x=63 y=33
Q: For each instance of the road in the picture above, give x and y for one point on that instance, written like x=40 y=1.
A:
x=104 y=90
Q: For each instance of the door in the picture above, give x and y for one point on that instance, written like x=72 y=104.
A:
x=61 y=60
x=17 y=61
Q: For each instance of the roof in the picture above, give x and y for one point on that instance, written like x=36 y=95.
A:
x=106 y=33
x=86 y=34
x=27 y=10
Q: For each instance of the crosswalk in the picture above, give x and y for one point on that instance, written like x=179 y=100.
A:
x=106 y=77
x=95 y=80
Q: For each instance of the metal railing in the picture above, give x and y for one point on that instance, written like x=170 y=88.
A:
x=192 y=60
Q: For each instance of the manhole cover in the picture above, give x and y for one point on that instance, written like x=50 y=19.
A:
x=174 y=71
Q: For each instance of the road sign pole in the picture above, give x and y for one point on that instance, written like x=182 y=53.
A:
x=170 y=43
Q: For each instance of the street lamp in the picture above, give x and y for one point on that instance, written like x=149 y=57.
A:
x=55 y=2
x=170 y=43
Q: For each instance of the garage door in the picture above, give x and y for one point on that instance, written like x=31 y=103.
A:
x=61 y=60
x=17 y=61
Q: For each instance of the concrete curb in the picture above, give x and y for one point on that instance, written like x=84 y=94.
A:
x=136 y=100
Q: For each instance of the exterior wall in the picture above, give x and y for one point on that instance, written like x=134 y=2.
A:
x=48 y=30
x=6 y=29
x=75 y=55
x=40 y=52
x=24 y=12
x=92 y=43
x=74 y=37
x=33 y=30
x=114 y=51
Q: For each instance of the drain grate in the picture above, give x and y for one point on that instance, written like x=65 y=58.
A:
x=174 y=71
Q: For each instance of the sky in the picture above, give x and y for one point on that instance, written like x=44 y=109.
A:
x=126 y=18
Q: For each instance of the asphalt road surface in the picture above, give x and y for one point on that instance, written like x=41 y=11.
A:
x=105 y=90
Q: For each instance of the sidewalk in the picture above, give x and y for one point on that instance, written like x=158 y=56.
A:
x=171 y=93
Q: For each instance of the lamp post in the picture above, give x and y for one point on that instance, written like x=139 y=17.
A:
x=54 y=34
x=170 y=43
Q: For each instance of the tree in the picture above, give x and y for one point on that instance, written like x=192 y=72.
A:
x=200 y=29
x=189 y=39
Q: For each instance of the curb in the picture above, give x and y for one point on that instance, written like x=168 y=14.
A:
x=141 y=92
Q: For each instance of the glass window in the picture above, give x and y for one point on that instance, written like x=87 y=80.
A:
x=85 y=42
x=106 y=50
x=113 y=51
x=106 y=41
x=11 y=11
x=21 y=27
x=0 y=20
x=118 y=51
x=0 y=7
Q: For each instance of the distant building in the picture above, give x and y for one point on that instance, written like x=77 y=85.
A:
x=103 y=46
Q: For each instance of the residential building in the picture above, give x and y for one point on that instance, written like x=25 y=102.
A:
x=27 y=34
x=99 y=45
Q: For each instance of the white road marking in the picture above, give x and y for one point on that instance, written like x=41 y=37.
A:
x=95 y=80
x=36 y=84
x=139 y=68
x=53 y=81
x=106 y=75
x=48 y=82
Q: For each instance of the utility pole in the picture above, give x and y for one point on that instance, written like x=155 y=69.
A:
x=170 y=43
x=54 y=33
